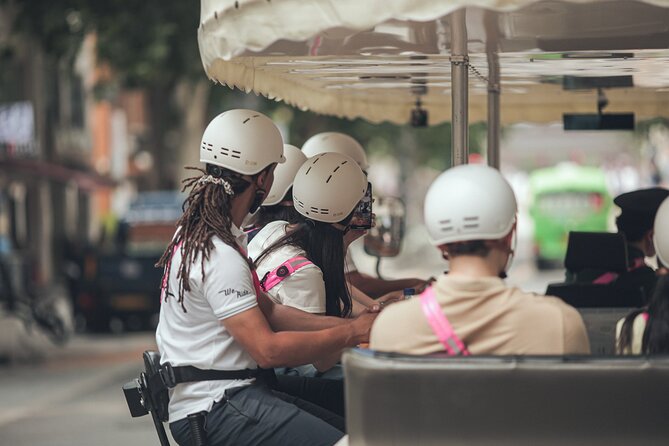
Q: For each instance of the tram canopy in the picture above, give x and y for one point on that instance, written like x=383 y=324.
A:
x=374 y=59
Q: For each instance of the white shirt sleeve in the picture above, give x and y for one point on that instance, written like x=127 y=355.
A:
x=304 y=290
x=228 y=285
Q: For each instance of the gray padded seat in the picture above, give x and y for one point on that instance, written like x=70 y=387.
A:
x=409 y=400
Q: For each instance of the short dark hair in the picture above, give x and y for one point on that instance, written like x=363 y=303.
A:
x=633 y=226
x=469 y=248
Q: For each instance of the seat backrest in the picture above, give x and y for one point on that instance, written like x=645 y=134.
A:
x=591 y=295
x=601 y=326
x=400 y=400
x=596 y=250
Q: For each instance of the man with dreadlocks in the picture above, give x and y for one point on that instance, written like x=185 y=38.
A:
x=214 y=317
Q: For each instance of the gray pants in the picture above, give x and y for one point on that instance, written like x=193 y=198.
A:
x=256 y=415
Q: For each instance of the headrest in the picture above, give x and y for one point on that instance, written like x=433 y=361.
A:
x=596 y=250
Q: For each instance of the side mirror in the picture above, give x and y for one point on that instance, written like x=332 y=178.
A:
x=385 y=238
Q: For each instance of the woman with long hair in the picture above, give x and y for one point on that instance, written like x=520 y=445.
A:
x=646 y=330
x=362 y=284
x=326 y=190
x=219 y=330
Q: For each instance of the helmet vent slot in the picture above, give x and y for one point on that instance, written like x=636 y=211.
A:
x=471 y=219
x=308 y=170
x=246 y=120
x=207 y=146
x=314 y=210
x=471 y=226
x=329 y=178
x=236 y=154
x=336 y=169
x=447 y=228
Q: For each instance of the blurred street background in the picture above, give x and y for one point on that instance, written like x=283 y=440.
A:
x=101 y=106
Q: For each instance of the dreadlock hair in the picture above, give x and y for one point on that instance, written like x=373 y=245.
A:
x=283 y=212
x=206 y=214
x=324 y=247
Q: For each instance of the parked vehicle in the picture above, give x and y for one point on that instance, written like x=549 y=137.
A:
x=122 y=285
x=564 y=198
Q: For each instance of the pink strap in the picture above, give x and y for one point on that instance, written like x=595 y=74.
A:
x=286 y=269
x=605 y=279
x=440 y=325
x=638 y=263
x=610 y=277
x=644 y=315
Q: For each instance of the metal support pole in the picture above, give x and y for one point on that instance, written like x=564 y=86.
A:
x=459 y=89
x=493 y=110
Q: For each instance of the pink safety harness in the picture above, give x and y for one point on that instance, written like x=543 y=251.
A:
x=283 y=271
x=441 y=327
x=609 y=277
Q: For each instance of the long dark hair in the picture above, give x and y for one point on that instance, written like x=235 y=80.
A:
x=268 y=214
x=656 y=334
x=324 y=247
x=207 y=214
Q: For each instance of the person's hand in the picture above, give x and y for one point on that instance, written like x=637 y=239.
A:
x=389 y=298
x=361 y=327
x=353 y=235
x=420 y=284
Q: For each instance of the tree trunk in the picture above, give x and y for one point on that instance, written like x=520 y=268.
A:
x=192 y=99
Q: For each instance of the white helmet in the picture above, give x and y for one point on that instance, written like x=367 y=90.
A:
x=284 y=174
x=338 y=143
x=244 y=141
x=661 y=237
x=469 y=202
x=328 y=187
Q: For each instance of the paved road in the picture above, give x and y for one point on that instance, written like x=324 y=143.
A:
x=74 y=397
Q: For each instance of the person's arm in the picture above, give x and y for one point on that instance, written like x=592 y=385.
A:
x=327 y=362
x=292 y=348
x=286 y=318
x=360 y=297
x=376 y=288
x=361 y=301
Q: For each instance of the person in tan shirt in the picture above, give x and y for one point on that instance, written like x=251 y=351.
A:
x=470 y=213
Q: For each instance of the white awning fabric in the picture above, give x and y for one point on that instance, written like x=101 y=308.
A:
x=372 y=59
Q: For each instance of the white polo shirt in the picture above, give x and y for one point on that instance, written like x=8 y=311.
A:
x=305 y=288
x=197 y=337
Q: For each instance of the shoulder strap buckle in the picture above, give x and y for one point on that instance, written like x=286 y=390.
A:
x=280 y=273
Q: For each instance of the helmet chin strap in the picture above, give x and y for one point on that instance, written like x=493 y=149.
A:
x=257 y=201
x=511 y=255
x=340 y=227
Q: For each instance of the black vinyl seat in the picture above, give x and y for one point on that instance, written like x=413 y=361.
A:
x=595 y=251
x=592 y=255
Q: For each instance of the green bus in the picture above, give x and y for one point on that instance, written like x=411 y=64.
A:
x=563 y=198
